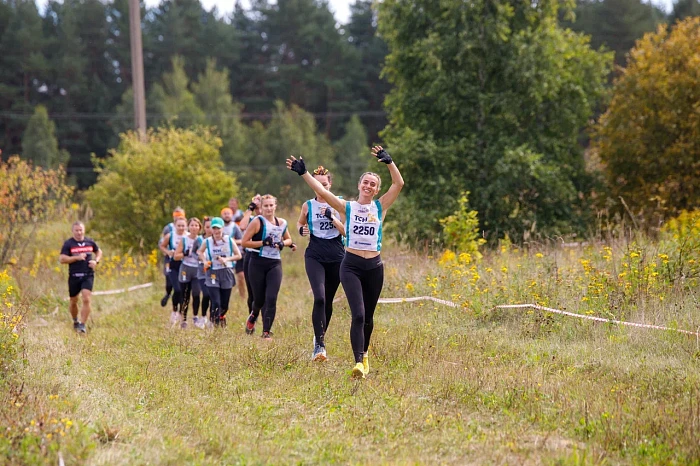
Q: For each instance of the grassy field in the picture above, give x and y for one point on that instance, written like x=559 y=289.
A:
x=447 y=385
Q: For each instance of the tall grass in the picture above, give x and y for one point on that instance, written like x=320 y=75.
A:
x=447 y=385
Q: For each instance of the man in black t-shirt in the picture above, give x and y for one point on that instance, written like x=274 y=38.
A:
x=82 y=256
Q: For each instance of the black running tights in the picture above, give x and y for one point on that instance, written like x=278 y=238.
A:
x=174 y=278
x=220 y=298
x=362 y=281
x=324 y=279
x=265 y=279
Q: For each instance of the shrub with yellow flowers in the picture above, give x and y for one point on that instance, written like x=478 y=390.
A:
x=10 y=321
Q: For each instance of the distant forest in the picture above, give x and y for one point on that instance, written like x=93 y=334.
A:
x=74 y=59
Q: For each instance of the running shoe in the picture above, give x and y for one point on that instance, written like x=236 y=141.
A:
x=319 y=354
x=183 y=324
x=76 y=324
x=198 y=322
x=174 y=317
x=358 y=372
x=249 y=327
x=81 y=328
x=365 y=363
x=164 y=301
x=266 y=335
x=222 y=321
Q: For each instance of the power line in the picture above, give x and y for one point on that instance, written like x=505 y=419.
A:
x=185 y=117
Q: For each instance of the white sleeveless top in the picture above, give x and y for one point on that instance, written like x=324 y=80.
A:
x=363 y=226
x=223 y=249
x=277 y=233
x=189 y=249
x=319 y=225
x=174 y=240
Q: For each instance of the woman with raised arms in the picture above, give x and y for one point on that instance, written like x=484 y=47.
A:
x=362 y=271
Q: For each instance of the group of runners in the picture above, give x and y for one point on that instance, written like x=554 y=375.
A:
x=205 y=259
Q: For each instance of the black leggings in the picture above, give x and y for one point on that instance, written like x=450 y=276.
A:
x=190 y=289
x=168 y=286
x=265 y=280
x=362 y=281
x=205 y=297
x=219 y=302
x=324 y=278
x=246 y=263
x=174 y=279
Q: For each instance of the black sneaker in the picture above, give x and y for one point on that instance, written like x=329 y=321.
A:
x=76 y=325
x=164 y=301
x=81 y=328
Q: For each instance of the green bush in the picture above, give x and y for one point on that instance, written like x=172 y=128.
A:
x=460 y=230
x=142 y=181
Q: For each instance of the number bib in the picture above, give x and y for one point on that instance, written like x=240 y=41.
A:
x=189 y=249
x=222 y=249
x=276 y=232
x=319 y=225
x=363 y=226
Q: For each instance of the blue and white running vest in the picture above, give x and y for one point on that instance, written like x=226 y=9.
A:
x=174 y=240
x=319 y=225
x=189 y=249
x=277 y=233
x=222 y=249
x=363 y=226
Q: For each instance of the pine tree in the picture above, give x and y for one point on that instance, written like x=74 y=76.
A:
x=684 y=8
x=368 y=87
x=22 y=67
x=351 y=156
x=211 y=92
x=39 y=143
x=173 y=100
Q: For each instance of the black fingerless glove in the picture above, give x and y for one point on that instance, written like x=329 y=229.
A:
x=299 y=167
x=301 y=230
x=383 y=156
x=252 y=206
x=280 y=245
x=328 y=214
x=268 y=241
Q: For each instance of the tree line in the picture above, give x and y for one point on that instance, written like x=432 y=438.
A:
x=74 y=59
x=493 y=99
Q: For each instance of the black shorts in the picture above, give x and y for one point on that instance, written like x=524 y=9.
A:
x=76 y=284
x=239 y=265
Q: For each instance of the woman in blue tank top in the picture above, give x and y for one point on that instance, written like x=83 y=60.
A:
x=362 y=271
x=266 y=236
x=322 y=259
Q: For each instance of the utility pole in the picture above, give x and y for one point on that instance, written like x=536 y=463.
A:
x=137 y=80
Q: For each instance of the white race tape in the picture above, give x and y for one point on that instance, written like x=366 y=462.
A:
x=122 y=290
x=451 y=304
x=597 y=319
x=418 y=298
x=542 y=308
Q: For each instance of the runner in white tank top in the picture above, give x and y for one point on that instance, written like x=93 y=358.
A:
x=362 y=272
x=186 y=251
x=267 y=235
x=168 y=245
